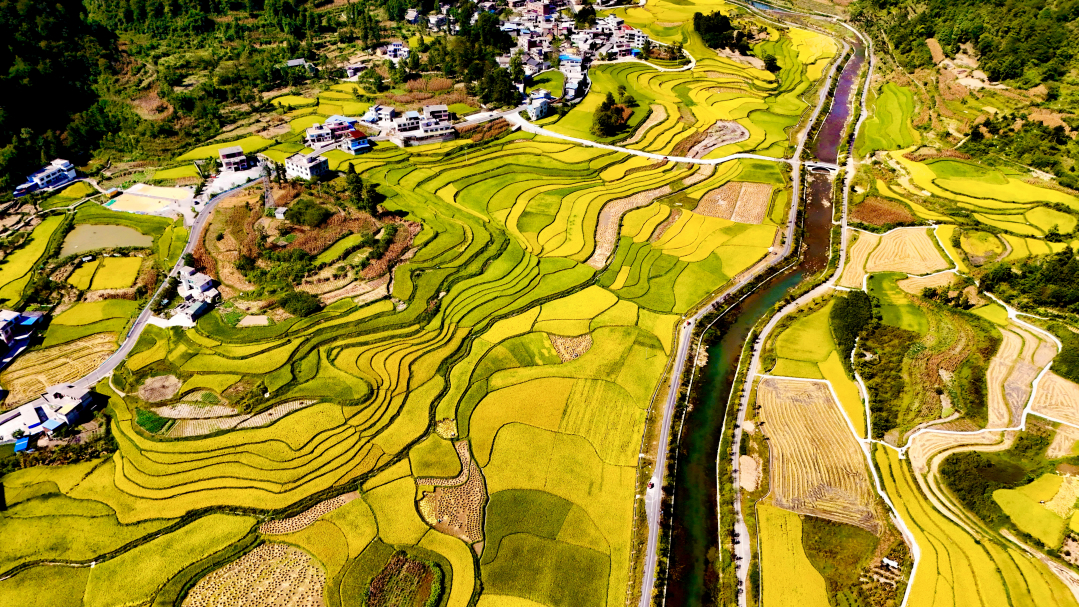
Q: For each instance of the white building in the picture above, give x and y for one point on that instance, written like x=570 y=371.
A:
x=412 y=16
x=429 y=131
x=409 y=122
x=379 y=113
x=316 y=134
x=195 y=286
x=61 y=404
x=436 y=112
x=301 y=166
x=537 y=108
x=57 y=172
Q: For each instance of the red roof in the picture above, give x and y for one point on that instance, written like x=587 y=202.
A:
x=357 y=134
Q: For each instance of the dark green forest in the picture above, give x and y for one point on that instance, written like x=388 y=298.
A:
x=1048 y=282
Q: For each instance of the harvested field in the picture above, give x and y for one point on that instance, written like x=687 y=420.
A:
x=749 y=473
x=667 y=223
x=609 y=219
x=27 y=377
x=253 y=321
x=1063 y=503
x=162 y=387
x=741 y=201
x=205 y=425
x=915 y=284
x=881 y=212
x=1064 y=442
x=854 y=270
x=924 y=445
x=456 y=505
x=906 y=250
x=658 y=115
x=817 y=467
x=271 y=575
x=722 y=133
x=368 y=290
x=1012 y=371
x=1057 y=398
x=306 y=518
x=570 y=348
x=184 y=411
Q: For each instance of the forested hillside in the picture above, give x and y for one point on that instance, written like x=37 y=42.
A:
x=49 y=65
x=1034 y=40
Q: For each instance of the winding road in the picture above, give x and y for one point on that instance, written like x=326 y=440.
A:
x=106 y=368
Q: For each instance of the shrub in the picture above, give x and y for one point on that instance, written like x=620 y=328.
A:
x=299 y=303
x=306 y=213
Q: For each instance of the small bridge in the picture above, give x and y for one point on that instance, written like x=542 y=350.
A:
x=821 y=167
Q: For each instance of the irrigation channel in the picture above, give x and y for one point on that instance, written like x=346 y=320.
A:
x=692 y=574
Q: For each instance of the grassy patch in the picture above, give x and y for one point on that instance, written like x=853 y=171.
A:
x=117 y=273
x=15 y=271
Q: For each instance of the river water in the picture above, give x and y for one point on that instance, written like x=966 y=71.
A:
x=692 y=575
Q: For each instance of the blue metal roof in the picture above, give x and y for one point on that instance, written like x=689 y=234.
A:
x=53 y=424
x=22 y=444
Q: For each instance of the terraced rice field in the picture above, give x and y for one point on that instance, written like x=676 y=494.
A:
x=954 y=568
x=1011 y=373
x=816 y=465
x=1057 y=398
x=504 y=334
x=15 y=273
x=889 y=124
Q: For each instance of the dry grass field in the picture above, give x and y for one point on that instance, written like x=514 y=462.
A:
x=817 y=466
x=658 y=115
x=198 y=425
x=271 y=575
x=457 y=510
x=162 y=387
x=27 y=377
x=906 y=250
x=1057 y=398
x=854 y=269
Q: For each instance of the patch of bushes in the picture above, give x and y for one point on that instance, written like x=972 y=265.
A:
x=300 y=303
x=882 y=373
x=850 y=315
x=306 y=213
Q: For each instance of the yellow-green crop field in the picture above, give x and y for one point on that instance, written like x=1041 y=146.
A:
x=504 y=332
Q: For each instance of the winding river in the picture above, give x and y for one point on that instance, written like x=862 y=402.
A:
x=692 y=575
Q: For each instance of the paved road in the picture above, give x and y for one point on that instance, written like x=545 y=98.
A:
x=515 y=118
x=89 y=381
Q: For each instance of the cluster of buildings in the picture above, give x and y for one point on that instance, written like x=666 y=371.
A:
x=56 y=174
x=538 y=35
x=432 y=125
x=60 y=404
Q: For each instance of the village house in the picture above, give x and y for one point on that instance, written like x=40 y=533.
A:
x=233 y=158
x=410 y=121
x=195 y=286
x=317 y=134
x=302 y=166
x=59 y=405
x=412 y=16
x=351 y=71
x=394 y=51
x=355 y=142
x=56 y=173
x=436 y=112
x=537 y=108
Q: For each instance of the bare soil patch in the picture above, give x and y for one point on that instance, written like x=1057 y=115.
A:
x=570 y=348
x=162 y=387
x=880 y=212
x=455 y=507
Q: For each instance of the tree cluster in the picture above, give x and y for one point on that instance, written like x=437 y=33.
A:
x=1034 y=144
x=1040 y=282
x=306 y=212
x=717 y=31
x=850 y=315
x=610 y=117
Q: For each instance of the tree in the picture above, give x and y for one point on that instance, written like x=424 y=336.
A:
x=413 y=61
x=771 y=64
x=355 y=187
x=646 y=48
x=517 y=66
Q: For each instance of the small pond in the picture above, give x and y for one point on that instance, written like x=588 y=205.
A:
x=87 y=237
